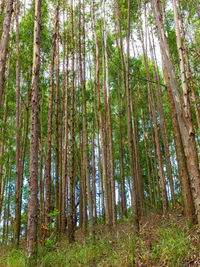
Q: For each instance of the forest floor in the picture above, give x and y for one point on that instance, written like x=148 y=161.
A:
x=161 y=242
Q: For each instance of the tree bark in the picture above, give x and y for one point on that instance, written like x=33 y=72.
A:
x=4 y=44
x=65 y=164
x=33 y=169
x=194 y=98
x=49 y=123
x=162 y=123
x=184 y=119
x=71 y=227
x=188 y=204
x=104 y=164
x=110 y=134
x=123 y=192
x=18 y=137
x=57 y=106
x=151 y=102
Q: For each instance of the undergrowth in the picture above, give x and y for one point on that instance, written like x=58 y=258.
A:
x=159 y=243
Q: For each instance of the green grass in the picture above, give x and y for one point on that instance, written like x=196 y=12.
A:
x=157 y=244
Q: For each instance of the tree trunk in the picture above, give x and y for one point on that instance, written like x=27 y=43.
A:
x=153 y=110
x=147 y=159
x=49 y=123
x=162 y=123
x=65 y=166
x=194 y=98
x=4 y=44
x=128 y=112
x=18 y=134
x=104 y=164
x=3 y=130
x=184 y=119
x=137 y=157
x=181 y=159
x=85 y=134
x=41 y=179
x=71 y=227
x=123 y=192
x=110 y=135
x=57 y=152
x=33 y=169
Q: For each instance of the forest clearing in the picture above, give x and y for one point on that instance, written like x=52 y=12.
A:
x=100 y=133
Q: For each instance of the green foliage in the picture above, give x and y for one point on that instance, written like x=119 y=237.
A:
x=169 y=243
x=16 y=258
x=173 y=245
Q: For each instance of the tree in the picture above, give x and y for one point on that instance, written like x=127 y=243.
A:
x=4 y=44
x=33 y=169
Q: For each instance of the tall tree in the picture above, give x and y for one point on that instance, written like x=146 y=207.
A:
x=18 y=130
x=4 y=44
x=184 y=118
x=34 y=130
x=49 y=123
x=71 y=227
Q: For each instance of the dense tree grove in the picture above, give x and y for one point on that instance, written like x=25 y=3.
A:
x=99 y=114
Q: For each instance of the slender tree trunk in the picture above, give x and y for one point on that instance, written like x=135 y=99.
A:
x=104 y=164
x=4 y=44
x=18 y=133
x=8 y=205
x=84 y=118
x=135 y=208
x=153 y=110
x=33 y=169
x=185 y=88
x=128 y=114
x=6 y=195
x=194 y=98
x=65 y=165
x=93 y=154
x=147 y=159
x=105 y=124
x=110 y=134
x=163 y=124
x=123 y=192
x=3 y=132
x=137 y=157
x=41 y=180
x=181 y=159
x=94 y=170
x=57 y=152
x=49 y=123
x=71 y=227
x=184 y=119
